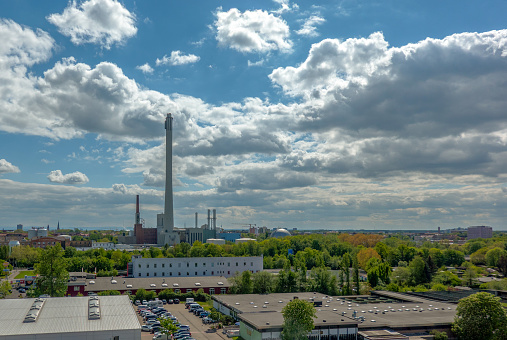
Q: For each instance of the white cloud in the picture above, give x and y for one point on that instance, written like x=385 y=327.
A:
x=56 y=176
x=6 y=167
x=103 y=22
x=252 y=31
x=309 y=28
x=177 y=58
x=146 y=68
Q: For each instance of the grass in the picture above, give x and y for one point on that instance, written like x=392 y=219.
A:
x=206 y=305
x=22 y=274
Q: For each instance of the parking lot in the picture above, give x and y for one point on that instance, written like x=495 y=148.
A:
x=197 y=328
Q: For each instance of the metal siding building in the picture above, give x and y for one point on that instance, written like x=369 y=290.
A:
x=67 y=317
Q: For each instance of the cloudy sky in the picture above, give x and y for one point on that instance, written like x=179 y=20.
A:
x=311 y=114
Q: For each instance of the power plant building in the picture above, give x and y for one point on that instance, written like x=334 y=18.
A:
x=193 y=266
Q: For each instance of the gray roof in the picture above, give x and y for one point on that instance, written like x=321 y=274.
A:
x=67 y=315
x=250 y=308
x=105 y=283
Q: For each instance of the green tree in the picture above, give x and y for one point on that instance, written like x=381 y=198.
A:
x=52 y=270
x=167 y=326
x=480 y=317
x=5 y=289
x=263 y=282
x=298 y=318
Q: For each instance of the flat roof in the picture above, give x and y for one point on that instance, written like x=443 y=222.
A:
x=334 y=309
x=105 y=283
x=67 y=315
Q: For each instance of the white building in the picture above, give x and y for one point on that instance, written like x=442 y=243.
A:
x=103 y=245
x=77 y=318
x=194 y=266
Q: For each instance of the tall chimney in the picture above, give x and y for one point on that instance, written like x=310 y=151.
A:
x=196 y=220
x=138 y=215
x=209 y=219
x=168 y=208
x=214 y=219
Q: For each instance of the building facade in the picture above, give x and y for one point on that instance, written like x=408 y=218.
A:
x=479 y=232
x=193 y=266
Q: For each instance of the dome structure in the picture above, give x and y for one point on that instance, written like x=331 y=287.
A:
x=279 y=233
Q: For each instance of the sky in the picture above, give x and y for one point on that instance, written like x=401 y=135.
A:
x=309 y=115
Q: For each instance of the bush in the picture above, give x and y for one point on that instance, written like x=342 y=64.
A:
x=439 y=335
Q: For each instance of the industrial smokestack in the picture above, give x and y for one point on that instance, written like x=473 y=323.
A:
x=138 y=215
x=214 y=219
x=209 y=219
x=196 y=220
x=168 y=208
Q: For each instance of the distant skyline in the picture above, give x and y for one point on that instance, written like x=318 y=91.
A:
x=309 y=115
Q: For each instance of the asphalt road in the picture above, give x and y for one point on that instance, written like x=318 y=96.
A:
x=197 y=328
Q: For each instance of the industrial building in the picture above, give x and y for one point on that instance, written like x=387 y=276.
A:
x=89 y=286
x=78 y=318
x=338 y=318
x=193 y=266
x=165 y=232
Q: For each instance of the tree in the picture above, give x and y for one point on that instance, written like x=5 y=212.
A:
x=263 y=282
x=298 y=318
x=5 y=289
x=167 y=326
x=52 y=270
x=365 y=254
x=480 y=317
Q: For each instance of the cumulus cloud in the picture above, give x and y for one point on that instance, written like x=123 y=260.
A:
x=102 y=22
x=6 y=167
x=146 y=68
x=309 y=27
x=252 y=31
x=56 y=176
x=177 y=58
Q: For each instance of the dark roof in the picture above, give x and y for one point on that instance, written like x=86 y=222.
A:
x=105 y=283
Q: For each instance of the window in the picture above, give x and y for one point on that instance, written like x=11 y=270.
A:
x=147 y=266
x=236 y=264
x=195 y=273
x=212 y=264
x=147 y=274
x=163 y=273
x=139 y=265
x=188 y=264
x=170 y=273
x=212 y=290
x=204 y=264
x=139 y=274
x=189 y=290
x=188 y=274
x=223 y=290
x=179 y=265
x=203 y=273
x=155 y=265
x=170 y=265
x=177 y=291
x=155 y=274
x=244 y=263
x=76 y=288
x=196 y=264
x=251 y=263
x=163 y=265
x=228 y=264
x=229 y=272
x=212 y=273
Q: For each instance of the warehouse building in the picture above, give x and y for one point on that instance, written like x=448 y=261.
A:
x=338 y=318
x=77 y=318
x=193 y=266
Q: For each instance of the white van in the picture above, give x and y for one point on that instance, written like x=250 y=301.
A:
x=156 y=303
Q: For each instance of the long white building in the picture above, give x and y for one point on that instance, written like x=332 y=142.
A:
x=193 y=266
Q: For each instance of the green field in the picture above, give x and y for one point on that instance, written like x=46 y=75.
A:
x=22 y=274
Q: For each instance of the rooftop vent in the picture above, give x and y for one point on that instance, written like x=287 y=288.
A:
x=92 y=282
x=197 y=283
x=114 y=281
x=34 y=311
x=220 y=283
x=152 y=285
x=164 y=284
x=93 y=308
x=129 y=286
x=175 y=285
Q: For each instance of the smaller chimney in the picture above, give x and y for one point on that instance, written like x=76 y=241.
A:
x=138 y=215
x=196 y=220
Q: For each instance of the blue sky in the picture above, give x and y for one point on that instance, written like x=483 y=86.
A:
x=323 y=114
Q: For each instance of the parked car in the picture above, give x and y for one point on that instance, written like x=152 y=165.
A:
x=155 y=328
x=170 y=301
x=146 y=328
x=138 y=302
x=176 y=301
